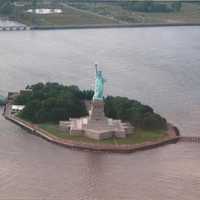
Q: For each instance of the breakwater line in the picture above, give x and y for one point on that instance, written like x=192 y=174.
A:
x=192 y=139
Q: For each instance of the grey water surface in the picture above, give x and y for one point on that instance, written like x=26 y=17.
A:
x=158 y=66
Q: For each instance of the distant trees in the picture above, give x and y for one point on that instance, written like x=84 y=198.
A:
x=54 y=102
x=86 y=94
x=152 y=121
x=176 y=6
x=152 y=6
x=6 y=7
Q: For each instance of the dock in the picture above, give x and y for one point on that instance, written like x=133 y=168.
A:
x=14 y=28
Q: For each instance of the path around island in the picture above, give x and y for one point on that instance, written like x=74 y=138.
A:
x=117 y=148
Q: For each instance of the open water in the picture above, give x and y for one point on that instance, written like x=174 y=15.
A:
x=158 y=66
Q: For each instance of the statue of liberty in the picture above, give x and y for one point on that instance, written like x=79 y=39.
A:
x=99 y=85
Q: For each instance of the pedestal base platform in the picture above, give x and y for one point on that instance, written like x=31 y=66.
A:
x=97 y=125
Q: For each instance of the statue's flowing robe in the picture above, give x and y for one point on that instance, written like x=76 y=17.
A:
x=99 y=86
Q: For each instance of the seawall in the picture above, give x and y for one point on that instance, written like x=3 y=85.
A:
x=122 y=148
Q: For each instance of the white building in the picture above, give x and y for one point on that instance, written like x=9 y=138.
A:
x=17 y=108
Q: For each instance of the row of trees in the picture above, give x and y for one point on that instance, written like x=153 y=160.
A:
x=54 y=102
x=139 y=115
x=140 y=6
x=153 y=6
x=6 y=7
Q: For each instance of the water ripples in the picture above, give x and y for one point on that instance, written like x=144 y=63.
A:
x=158 y=66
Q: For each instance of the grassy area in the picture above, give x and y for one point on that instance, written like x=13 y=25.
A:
x=106 y=13
x=139 y=137
x=70 y=16
x=189 y=13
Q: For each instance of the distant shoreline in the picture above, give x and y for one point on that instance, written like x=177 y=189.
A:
x=92 y=26
x=95 y=26
x=129 y=148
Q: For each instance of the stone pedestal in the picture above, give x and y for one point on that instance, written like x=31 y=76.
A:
x=97 y=110
x=97 y=125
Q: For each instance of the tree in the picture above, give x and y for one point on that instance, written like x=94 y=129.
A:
x=52 y=102
x=152 y=121
x=176 y=6
x=6 y=7
x=23 y=99
x=86 y=94
x=139 y=115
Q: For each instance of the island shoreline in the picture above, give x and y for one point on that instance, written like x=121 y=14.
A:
x=110 y=26
x=112 y=148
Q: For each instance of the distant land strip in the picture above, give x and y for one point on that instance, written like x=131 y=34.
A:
x=92 y=26
x=111 y=26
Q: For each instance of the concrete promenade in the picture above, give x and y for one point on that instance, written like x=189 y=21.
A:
x=118 y=148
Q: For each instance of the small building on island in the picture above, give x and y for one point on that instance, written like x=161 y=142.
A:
x=17 y=108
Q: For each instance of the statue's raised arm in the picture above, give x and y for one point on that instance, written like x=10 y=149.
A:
x=99 y=85
x=96 y=68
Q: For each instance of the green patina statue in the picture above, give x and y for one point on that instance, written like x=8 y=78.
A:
x=2 y=100
x=99 y=85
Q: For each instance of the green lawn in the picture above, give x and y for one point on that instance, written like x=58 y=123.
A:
x=189 y=13
x=139 y=137
x=70 y=16
x=107 y=13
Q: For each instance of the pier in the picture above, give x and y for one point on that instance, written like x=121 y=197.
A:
x=193 y=139
x=14 y=28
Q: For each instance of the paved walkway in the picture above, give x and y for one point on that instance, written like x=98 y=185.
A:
x=119 y=148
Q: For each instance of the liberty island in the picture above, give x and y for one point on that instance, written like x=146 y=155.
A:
x=85 y=119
